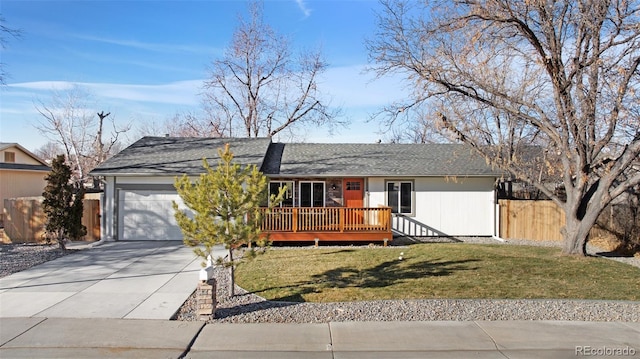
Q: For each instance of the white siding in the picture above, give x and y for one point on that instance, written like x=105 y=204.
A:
x=454 y=207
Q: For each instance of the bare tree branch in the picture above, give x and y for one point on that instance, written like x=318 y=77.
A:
x=6 y=31
x=68 y=122
x=260 y=88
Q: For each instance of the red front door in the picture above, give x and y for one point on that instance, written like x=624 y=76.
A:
x=353 y=192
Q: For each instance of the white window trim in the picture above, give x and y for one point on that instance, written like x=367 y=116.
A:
x=413 y=195
x=293 y=190
x=324 y=192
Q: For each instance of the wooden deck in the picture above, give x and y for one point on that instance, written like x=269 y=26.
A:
x=327 y=224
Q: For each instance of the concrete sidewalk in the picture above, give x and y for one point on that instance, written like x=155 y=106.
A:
x=123 y=338
x=137 y=280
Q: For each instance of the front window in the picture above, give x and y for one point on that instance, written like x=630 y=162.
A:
x=274 y=189
x=312 y=194
x=353 y=186
x=400 y=196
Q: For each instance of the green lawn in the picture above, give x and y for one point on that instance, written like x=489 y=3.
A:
x=435 y=271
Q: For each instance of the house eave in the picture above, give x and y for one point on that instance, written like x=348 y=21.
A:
x=24 y=167
x=388 y=175
x=134 y=174
x=301 y=175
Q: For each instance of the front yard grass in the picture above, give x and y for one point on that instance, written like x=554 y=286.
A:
x=430 y=271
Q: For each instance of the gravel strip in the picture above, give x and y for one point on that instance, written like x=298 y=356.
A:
x=18 y=257
x=250 y=308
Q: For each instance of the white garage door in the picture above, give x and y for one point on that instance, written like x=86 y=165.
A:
x=148 y=215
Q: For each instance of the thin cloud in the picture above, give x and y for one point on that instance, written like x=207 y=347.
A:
x=43 y=85
x=113 y=59
x=177 y=93
x=303 y=7
x=349 y=86
x=147 y=46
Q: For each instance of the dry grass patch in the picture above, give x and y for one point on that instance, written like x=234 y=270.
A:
x=430 y=271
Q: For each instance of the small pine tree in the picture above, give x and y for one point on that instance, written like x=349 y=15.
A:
x=225 y=202
x=63 y=204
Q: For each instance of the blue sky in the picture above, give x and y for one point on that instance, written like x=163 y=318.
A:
x=144 y=61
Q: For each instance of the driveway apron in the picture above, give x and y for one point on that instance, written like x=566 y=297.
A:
x=133 y=280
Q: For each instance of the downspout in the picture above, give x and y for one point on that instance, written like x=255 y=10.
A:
x=366 y=192
x=497 y=238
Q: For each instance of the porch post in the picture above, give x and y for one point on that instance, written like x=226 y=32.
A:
x=294 y=226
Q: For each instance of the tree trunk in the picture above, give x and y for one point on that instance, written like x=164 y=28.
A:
x=232 y=274
x=60 y=238
x=581 y=213
x=576 y=232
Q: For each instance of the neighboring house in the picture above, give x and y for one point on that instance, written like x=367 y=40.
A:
x=334 y=191
x=21 y=174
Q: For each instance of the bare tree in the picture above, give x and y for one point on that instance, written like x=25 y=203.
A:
x=6 y=31
x=416 y=128
x=259 y=87
x=185 y=124
x=69 y=122
x=49 y=151
x=501 y=76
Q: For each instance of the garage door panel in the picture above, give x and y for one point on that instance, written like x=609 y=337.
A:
x=148 y=215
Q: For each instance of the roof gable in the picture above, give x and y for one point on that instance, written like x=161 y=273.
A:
x=180 y=155
x=35 y=160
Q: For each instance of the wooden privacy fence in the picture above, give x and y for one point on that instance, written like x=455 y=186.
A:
x=24 y=220
x=527 y=219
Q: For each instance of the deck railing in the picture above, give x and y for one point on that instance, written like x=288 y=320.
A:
x=326 y=219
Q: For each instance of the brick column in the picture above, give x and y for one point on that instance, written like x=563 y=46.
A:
x=206 y=299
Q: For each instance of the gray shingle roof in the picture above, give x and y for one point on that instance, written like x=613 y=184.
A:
x=180 y=155
x=175 y=155
x=345 y=160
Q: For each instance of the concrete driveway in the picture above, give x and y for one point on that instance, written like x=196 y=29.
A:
x=133 y=280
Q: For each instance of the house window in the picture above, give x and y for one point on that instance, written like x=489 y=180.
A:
x=312 y=194
x=274 y=189
x=400 y=196
x=353 y=186
x=10 y=157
